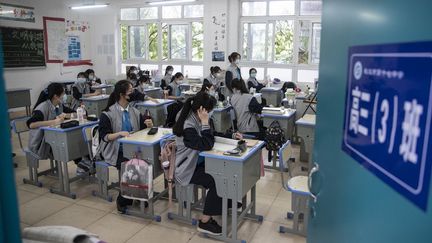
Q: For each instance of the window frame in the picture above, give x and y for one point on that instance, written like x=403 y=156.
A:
x=159 y=21
x=295 y=66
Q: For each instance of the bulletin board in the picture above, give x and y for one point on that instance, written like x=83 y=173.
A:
x=67 y=41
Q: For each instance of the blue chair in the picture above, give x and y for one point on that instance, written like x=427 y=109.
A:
x=187 y=198
x=298 y=186
x=102 y=167
x=19 y=126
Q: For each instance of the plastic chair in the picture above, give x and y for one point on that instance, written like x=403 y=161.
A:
x=19 y=126
x=102 y=168
x=298 y=186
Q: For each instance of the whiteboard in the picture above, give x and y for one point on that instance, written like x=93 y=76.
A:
x=55 y=39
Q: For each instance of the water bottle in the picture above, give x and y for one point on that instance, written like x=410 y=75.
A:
x=80 y=114
x=216 y=96
x=291 y=103
x=228 y=101
x=104 y=91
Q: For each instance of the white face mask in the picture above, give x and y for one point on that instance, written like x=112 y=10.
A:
x=169 y=72
x=253 y=75
x=212 y=93
x=81 y=79
x=91 y=77
x=136 y=72
x=64 y=99
x=218 y=75
x=237 y=61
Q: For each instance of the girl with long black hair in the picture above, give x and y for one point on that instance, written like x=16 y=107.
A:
x=118 y=120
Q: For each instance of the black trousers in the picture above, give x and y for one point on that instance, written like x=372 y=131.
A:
x=213 y=203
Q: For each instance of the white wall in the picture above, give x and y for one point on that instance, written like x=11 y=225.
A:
x=38 y=79
x=102 y=22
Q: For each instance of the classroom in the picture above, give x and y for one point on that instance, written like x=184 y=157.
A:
x=233 y=121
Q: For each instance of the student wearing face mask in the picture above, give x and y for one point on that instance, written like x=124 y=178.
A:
x=215 y=78
x=48 y=111
x=167 y=77
x=138 y=94
x=252 y=82
x=91 y=77
x=208 y=88
x=118 y=120
x=173 y=89
x=81 y=89
x=233 y=70
x=132 y=75
x=246 y=109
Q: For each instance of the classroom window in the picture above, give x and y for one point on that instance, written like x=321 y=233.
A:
x=307 y=76
x=310 y=7
x=281 y=8
x=149 y=13
x=177 y=68
x=254 y=8
x=278 y=34
x=153 y=39
x=193 y=11
x=284 y=74
x=193 y=71
x=137 y=41
x=284 y=41
x=197 y=41
x=129 y=14
x=177 y=41
x=171 y=12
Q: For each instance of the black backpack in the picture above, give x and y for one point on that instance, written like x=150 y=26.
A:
x=275 y=137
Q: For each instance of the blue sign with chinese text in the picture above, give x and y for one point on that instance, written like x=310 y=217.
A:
x=388 y=116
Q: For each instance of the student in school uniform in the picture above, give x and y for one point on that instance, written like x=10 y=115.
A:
x=173 y=89
x=48 y=111
x=132 y=75
x=233 y=71
x=215 y=79
x=193 y=135
x=252 y=82
x=138 y=93
x=81 y=89
x=246 y=109
x=167 y=77
x=91 y=77
x=208 y=88
x=118 y=120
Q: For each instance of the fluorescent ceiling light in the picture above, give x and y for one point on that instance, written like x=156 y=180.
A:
x=171 y=2
x=6 y=12
x=90 y=6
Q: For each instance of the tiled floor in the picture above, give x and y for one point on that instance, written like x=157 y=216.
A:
x=39 y=207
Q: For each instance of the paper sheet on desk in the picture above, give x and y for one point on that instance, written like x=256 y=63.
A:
x=224 y=144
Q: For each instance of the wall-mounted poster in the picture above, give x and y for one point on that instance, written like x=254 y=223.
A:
x=218 y=56
x=17 y=12
x=74 y=48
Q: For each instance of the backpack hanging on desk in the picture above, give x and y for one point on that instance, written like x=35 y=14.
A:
x=136 y=180
x=69 y=124
x=275 y=137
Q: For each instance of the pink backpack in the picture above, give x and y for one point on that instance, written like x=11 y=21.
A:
x=167 y=160
x=136 y=180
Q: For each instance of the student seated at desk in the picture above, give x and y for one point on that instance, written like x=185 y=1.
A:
x=138 y=93
x=81 y=89
x=132 y=75
x=214 y=83
x=48 y=111
x=118 y=120
x=167 y=77
x=252 y=82
x=91 y=77
x=173 y=89
x=246 y=108
x=193 y=135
